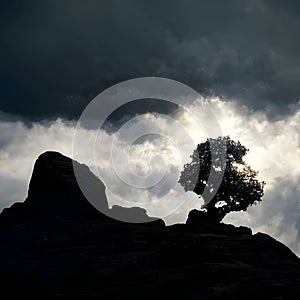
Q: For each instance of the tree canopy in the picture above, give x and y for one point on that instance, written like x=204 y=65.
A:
x=219 y=174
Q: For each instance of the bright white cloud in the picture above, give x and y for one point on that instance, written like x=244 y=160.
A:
x=274 y=151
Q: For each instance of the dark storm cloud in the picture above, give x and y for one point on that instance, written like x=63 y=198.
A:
x=57 y=55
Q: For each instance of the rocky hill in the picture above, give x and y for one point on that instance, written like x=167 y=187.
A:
x=56 y=245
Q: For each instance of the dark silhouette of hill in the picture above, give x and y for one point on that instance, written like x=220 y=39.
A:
x=56 y=245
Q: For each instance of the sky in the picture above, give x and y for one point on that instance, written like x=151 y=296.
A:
x=241 y=56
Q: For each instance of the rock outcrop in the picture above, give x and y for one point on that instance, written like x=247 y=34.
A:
x=56 y=245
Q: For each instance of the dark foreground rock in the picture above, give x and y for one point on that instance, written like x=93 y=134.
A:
x=50 y=249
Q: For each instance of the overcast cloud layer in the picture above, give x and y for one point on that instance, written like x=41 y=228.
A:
x=57 y=55
x=243 y=56
x=274 y=151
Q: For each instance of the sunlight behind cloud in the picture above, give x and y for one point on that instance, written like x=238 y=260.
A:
x=273 y=151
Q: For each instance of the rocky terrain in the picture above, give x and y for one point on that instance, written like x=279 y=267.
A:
x=56 y=245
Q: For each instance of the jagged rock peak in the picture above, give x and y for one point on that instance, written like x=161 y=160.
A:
x=54 y=191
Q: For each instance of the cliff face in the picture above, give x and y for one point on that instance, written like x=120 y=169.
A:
x=56 y=245
x=53 y=191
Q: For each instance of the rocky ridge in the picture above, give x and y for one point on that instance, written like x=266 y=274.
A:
x=57 y=245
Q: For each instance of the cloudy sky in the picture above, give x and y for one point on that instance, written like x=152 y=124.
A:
x=241 y=56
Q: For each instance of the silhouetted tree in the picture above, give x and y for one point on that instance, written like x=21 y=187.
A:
x=239 y=187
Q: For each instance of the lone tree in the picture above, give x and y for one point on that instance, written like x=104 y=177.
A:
x=219 y=174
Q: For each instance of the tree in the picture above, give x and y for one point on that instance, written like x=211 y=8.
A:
x=219 y=174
